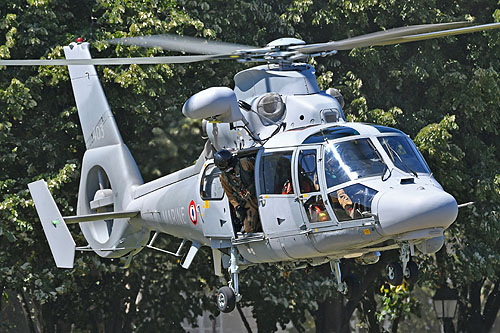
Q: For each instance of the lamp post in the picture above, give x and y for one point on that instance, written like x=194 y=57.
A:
x=445 y=304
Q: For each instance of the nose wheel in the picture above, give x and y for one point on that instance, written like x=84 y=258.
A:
x=411 y=273
x=394 y=273
x=407 y=270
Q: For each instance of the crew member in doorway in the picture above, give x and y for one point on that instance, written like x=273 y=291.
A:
x=237 y=178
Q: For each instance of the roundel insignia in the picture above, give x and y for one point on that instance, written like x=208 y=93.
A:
x=192 y=212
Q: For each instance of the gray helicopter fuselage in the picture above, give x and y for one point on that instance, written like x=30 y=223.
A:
x=399 y=203
x=394 y=203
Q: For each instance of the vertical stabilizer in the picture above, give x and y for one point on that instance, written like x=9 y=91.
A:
x=109 y=172
x=98 y=124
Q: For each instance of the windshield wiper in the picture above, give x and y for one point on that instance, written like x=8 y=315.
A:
x=408 y=169
x=386 y=167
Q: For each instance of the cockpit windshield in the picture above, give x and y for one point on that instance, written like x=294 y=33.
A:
x=403 y=154
x=351 y=160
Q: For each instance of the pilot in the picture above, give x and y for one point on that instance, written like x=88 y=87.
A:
x=237 y=178
x=346 y=203
x=332 y=169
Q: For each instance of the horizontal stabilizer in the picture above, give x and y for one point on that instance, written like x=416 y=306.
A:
x=99 y=217
x=60 y=241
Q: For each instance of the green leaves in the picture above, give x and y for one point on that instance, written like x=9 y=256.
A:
x=17 y=97
x=433 y=141
x=397 y=303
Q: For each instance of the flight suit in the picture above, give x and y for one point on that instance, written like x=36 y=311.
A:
x=240 y=190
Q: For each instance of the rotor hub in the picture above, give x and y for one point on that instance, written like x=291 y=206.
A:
x=282 y=43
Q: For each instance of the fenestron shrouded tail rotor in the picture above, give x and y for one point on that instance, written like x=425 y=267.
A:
x=282 y=50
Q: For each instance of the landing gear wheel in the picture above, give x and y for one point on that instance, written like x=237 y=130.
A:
x=226 y=299
x=411 y=273
x=394 y=274
x=352 y=283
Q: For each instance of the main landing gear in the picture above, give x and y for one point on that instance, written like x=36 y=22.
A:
x=348 y=286
x=407 y=271
x=227 y=296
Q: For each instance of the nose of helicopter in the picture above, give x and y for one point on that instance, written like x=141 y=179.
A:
x=410 y=209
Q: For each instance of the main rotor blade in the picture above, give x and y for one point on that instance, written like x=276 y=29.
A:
x=116 y=61
x=182 y=44
x=444 y=33
x=376 y=38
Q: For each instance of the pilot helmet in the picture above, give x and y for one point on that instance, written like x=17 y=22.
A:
x=224 y=160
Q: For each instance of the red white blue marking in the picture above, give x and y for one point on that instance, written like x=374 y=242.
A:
x=192 y=212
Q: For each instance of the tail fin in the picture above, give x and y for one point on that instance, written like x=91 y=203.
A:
x=60 y=241
x=98 y=124
x=109 y=172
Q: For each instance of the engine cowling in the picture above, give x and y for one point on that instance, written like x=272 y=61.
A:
x=218 y=103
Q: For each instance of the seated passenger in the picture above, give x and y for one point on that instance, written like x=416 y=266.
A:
x=287 y=187
x=316 y=210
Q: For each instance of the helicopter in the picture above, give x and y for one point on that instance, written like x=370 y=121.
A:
x=354 y=190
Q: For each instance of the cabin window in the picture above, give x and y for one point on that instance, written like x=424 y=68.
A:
x=211 y=187
x=276 y=173
x=331 y=133
x=315 y=209
x=308 y=172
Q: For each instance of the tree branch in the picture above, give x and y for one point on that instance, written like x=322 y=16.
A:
x=1 y=297
x=27 y=311
x=475 y=323
x=243 y=318
x=491 y=307
x=371 y=275
x=369 y=309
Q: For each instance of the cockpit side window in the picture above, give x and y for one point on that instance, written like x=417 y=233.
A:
x=276 y=173
x=352 y=202
x=403 y=154
x=308 y=173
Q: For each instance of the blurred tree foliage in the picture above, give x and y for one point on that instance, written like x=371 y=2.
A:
x=444 y=93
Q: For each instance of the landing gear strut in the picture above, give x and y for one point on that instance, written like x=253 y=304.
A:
x=227 y=296
x=347 y=286
x=341 y=285
x=407 y=270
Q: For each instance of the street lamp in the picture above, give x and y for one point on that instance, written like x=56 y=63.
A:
x=445 y=304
